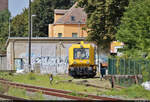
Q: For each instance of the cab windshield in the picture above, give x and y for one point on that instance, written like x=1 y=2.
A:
x=81 y=53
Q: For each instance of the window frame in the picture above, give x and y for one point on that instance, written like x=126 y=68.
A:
x=75 y=36
x=59 y=36
x=72 y=18
x=81 y=58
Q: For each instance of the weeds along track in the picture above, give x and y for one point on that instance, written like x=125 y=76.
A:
x=55 y=92
x=7 y=97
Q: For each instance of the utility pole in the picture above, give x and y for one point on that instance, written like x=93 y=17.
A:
x=29 y=59
x=32 y=25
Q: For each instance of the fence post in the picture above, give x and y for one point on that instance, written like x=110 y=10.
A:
x=112 y=81
x=124 y=66
x=136 y=80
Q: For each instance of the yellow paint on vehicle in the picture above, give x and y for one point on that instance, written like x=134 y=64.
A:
x=81 y=62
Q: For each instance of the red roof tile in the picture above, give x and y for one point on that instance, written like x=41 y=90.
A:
x=75 y=15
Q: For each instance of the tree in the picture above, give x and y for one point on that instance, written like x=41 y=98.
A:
x=4 y=18
x=44 y=11
x=19 y=25
x=103 y=16
x=134 y=30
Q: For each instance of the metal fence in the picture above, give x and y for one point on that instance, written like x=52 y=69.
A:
x=3 y=62
x=129 y=67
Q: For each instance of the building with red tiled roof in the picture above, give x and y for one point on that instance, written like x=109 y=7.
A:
x=68 y=23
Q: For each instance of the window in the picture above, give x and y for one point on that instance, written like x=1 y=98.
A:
x=81 y=53
x=72 y=18
x=59 y=34
x=74 y=35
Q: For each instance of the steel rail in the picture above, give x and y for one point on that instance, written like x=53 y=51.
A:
x=52 y=93
x=56 y=92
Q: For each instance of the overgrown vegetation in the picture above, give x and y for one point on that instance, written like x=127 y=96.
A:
x=134 y=30
x=103 y=16
x=23 y=94
x=4 y=18
x=43 y=80
x=44 y=11
x=3 y=89
x=17 y=92
x=133 y=92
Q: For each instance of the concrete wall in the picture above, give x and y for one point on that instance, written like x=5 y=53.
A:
x=47 y=56
x=3 y=63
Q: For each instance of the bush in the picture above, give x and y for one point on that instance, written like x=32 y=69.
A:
x=31 y=76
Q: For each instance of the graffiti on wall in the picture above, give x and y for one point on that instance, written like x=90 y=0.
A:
x=56 y=63
x=49 y=60
x=51 y=64
x=18 y=64
x=46 y=64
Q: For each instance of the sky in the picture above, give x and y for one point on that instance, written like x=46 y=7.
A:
x=17 y=6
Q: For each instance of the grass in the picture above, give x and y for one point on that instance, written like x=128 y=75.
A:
x=135 y=91
x=17 y=92
x=22 y=94
x=75 y=94
x=132 y=92
x=43 y=80
x=3 y=88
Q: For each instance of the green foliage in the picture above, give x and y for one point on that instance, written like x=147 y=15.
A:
x=44 y=11
x=145 y=75
x=146 y=72
x=134 y=28
x=37 y=96
x=134 y=91
x=4 y=18
x=17 y=92
x=2 y=90
x=102 y=18
x=40 y=79
x=19 y=25
x=74 y=94
x=23 y=94
x=5 y=75
x=31 y=76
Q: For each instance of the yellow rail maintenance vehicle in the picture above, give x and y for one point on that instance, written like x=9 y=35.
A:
x=81 y=60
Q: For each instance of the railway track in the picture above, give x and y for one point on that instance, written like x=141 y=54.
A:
x=7 y=97
x=55 y=92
